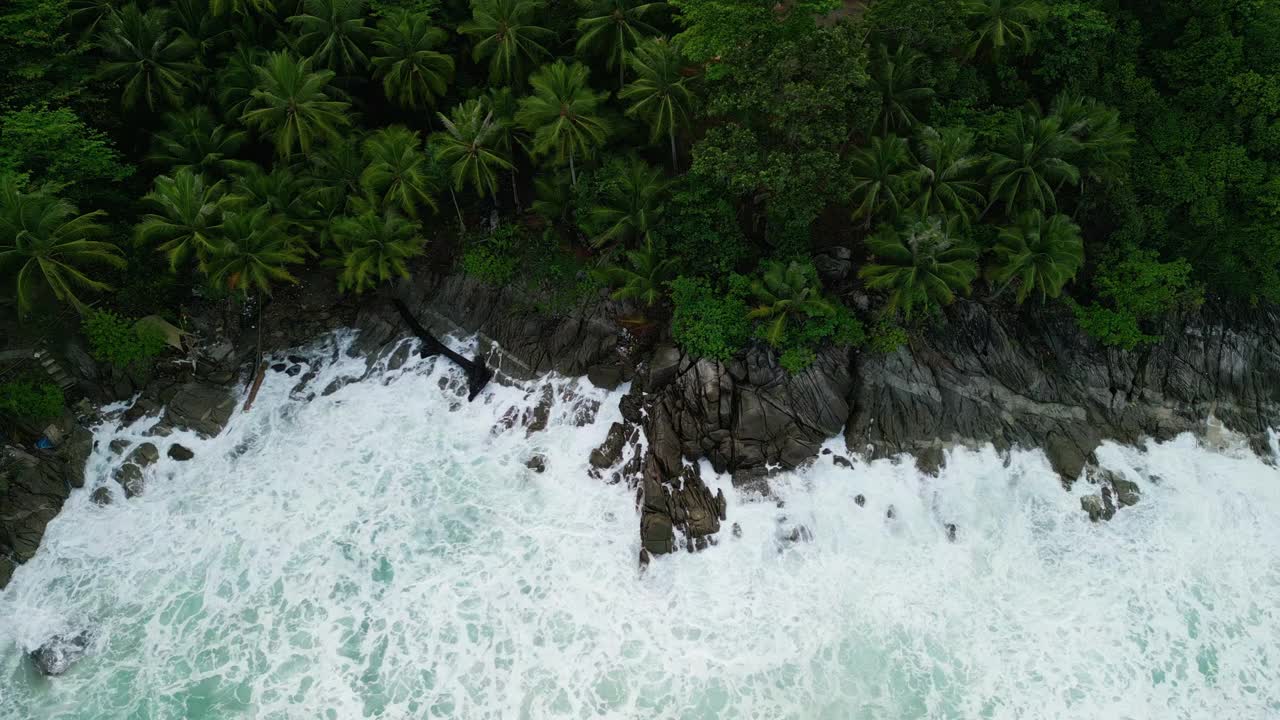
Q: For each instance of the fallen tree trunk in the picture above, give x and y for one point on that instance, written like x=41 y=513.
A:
x=478 y=374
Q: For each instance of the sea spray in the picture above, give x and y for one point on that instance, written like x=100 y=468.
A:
x=383 y=551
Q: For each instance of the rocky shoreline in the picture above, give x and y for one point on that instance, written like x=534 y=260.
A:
x=1028 y=380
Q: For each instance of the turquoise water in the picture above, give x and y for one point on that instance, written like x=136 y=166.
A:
x=383 y=552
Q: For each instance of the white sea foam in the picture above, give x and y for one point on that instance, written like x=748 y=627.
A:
x=381 y=552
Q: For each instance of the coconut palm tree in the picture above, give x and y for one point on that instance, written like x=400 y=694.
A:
x=237 y=79
x=196 y=140
x=923 y=267
x=1038 y=254
x=504 y=31
x=998 y=24
x=563 y=113
x=785 y=292
x=334 y=33
x=660 y=94
x=185 y=212
x=87 y=15
x=50 y=244
x=896 y=79
x=399 y=174
x=630 y=207
x=647 y=277
x=1103 y=140
x=293 y=104
x=198 y=27
x=1031 y=162
x=374 y=248
x=244 y=7
x=945 y=175
x=281 y=192
x=151 y=60
x=253 y=251
x=469 y=147
x=413 y=73
x=879 y=176
x=613 y=28
x=504 y=105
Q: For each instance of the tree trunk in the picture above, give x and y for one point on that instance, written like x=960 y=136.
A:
x=573 y=173
x=462 y=226
x=515 y=193
x=675 y=164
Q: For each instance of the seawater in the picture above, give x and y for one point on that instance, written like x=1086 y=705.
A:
x=383 y=552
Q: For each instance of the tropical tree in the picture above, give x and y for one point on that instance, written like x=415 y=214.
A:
x=997 y=24
x=646 y=277
x=374 y=248
x=785 y=292
x=237 y=80
x=879 y=176
x=185 y=212
x=336 y=172
x=1103 y=141
x=1038 y=254
x=86 y=15
x=196 y=140
x=334 y=33
x=293 y=105
x=150 y=59
x=504 y=105
x=399 y=174
x=470 y=147
x=944 y=176
x=613 y=28
x=50 y=244
x=630 y=205
x=197 y=26
x=253 y=251
x=922 y=268
x=659 y=95
x=281 y=192
x=504 y=31
x=413 y=73
x=1031 y=162
x=245 y=7
x=895 y=77
x=563 y=113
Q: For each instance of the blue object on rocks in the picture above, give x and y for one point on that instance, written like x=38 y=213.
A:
x=44 y=444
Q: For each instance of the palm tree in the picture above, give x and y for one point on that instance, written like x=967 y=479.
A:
x=614 y=27
x=149 y=58
x=291 y=103
x=922 y=268
x=1000 y=23
x=944 y=175
x=50 y=243
x=86 y=15
x=659 y=94
x=469 y=146
x=245 y=7
x=1039 y=253
x=1104 y=141
x=281 y=192
x=196 y=140
x=374 y=248
x=1032 y=162
x=896 y=78
x=647 y=277
x=630 y=206
x=413 y=74
x=503 y=104
x=785 y=292
x=237 y=80
x=186 y=212
x=197 y=26
x=504 y=31
x=333 y=31
x=252 y=252
x=399 y=174
x=563 y=114
x=879 y=176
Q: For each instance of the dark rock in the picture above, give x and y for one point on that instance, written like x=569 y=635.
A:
x=799 y=533
x=930 y=459
x=841 y=461
x=139 y=409
x=860 y=500
x=537 y=463
x=606 y=377
x=656 y=534
x=144 y=455
x=736 y=530
x=610 y=451
x=129 y=476
x=296 y=359
x=1096 y=508
x=119 y=445
x=952 y=531
x=663 y=366
x=203 y=408
x=7 y=567
x=644 y=559
x=537 y=419
x=632 y=407
x=293 y=371
x=279 y=367
x=1127 y=492
x=56 y=655
x=834 y=264
x=890 y=513
x=101 y=495
x=180 y=452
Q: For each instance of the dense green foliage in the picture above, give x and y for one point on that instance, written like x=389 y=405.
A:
x=118 y=340
x=30 y=400
x=697 y=158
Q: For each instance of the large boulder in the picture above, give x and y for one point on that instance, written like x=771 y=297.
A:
x=201 y=407
x=57 y=654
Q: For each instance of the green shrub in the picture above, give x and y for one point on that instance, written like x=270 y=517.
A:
x=118 y=340
x=32 y=401
x=707 y=321
x=494 y=259
x=795 y=359
x=701 y=225
x=1134 y=288
x=887 y=336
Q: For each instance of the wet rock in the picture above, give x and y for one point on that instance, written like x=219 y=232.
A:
x=101 y=496
x=890 y=513
x=952 y=531
x=56 y=655
x=180 y=452
x=293 y=371
x=632 y=407
x=536 y=419
x=7 y=567
x=929 y=460
x=138 y=410
x=860 y=500
x=279 y=367
x=144 y=455
x=119 y=445
x=1127 y=492
x=736 y=530
x=644 y=559
x=656 y=533
x=129 y=476
x=663 y=366
x=606 y=377
x=537 y=463
x=203 y=408
x=1098 y=507
x=841 y=461
x=610 y=451
x=797 y=534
